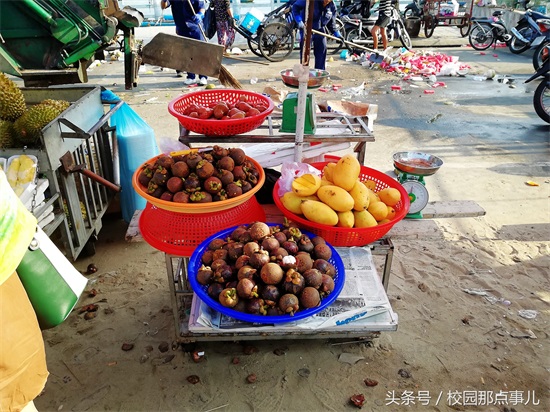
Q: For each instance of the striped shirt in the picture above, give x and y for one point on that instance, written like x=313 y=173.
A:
x=385 y=7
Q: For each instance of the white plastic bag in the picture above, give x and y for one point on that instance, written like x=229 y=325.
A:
x=291 y=170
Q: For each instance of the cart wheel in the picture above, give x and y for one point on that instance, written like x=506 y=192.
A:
x=253 y=44
x=465 y=27
x=429 y=25
x=276 y=41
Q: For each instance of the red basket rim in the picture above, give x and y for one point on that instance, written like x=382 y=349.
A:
x=364 y=170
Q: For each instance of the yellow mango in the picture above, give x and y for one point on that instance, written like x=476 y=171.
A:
x=346 y=172
x=328 y=171
x=391 y=213
x=378 y=210
x=306 y=184
x=371 y=184
x=291 y=201
x=346 y=219
x=319 y=212
x=384 y=221
x=336 y=197
x=360 y=196
x=325 y=182
x=390 y=196
x=364 y=219
x=373 y=197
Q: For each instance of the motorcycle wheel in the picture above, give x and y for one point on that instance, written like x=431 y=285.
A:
x=516 y=46
x=334 y=46
x=481 y=36
x=537 y=56
x=409 y=12
x=354 y=35
x=403 y=35
x=541 y=100
x=429 y=25
x=276 y=41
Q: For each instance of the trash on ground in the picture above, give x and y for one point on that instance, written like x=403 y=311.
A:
x=350 y=358
x=528 y=313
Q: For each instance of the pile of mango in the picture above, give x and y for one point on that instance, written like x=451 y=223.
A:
x=340 y=198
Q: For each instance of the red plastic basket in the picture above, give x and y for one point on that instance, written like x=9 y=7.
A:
x=339 y=236
x=179 y=234
x=216 y=127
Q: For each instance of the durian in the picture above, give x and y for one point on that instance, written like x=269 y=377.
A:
x=60 y=105
x=21 y=172
x=7 y=133
x=29 y=126
x=12 y=101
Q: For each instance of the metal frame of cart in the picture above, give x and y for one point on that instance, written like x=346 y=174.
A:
x=432 y=17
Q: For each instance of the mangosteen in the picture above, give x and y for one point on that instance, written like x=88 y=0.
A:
x=288 y=262
x=259 y=259
x=322 y=251
x=221 y=195
x=167 y=195
x=214 y=290
x=309 y=298
x=246 y=272
x=288 y=303
x=273 y=311
x=165 y=161
x=238 y=155
x=200 y=196
x=160 y=177
x=145 y=176
x=192 y=183
x=292 y=233
x=317 y=240
x=218 y=152
x=239 y=173
x=305 y=244
x=207 y=257
x=313 y=278
x=157 y=192
x=217 y=263
x=174 y=184
x=290 y=246
x=241 y=261
x=256 y=306
x=245 y=186
x=269 y=243
x=245 y=237
x=193 y=160
x=293 y=282
x=204 y=169
x=205 y=275
x=225 y=163
x=280 y=236
x=181 y=197
x=303 y=262
x=235 y=250
x=250 y=248
x=220 y=254
x=324 y=267
x=235 y=234
x=212 y=185
x=253 y=180
x=228 y=297
x=216 y=244
x=259 y=230
x=270 y=293
x=247 y=289
x=271 y=273
x=233 y=190
x=180 y=169
x=327 y=285
x=223 y=274
x=240 y=306
x=279 y=253
x=225 y=176
x=232 y=284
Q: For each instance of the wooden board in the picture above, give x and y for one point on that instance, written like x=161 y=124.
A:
x=455 y=208
x=182 y=53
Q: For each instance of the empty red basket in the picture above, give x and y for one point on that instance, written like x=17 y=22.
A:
x=216 y=127
x=179 y=234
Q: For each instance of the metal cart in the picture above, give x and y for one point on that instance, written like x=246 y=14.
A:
x=83 y=130
x=435 y=12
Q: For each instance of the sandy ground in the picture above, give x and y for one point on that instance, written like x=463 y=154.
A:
x=452 y=350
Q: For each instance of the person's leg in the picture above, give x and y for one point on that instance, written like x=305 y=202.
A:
x=374 y=33
x=230 y=36
x=384 y=35
x=319 y=51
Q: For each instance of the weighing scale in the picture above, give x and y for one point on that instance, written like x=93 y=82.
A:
x=410 y=168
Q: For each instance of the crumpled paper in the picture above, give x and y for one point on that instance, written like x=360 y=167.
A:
x=290 y=171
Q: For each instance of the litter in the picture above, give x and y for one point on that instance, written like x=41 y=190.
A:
x=528 y=313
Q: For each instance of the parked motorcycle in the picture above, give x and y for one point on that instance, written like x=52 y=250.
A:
x=541 y=99
x=526 y=31
x=487 y=31
x=540 y=43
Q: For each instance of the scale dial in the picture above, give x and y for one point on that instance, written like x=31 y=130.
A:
x=418 y=195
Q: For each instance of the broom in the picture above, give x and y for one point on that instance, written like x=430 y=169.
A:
x=224 y=77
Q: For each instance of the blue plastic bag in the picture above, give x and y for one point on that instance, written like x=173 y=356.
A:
x=136 y=144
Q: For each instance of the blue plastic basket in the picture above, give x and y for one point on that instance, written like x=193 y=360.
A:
x=195 y=263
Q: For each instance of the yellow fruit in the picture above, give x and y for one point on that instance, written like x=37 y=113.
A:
x=378 y=210
x=306 y=184
x=373 y=197
x=328 y=171
x=336 y=197
x=346 y=172
x=390 y=196
x=210 y=86
x=391 y=213
x=325 y=182
x=364 y=219
x=291 y=201
x=319 y=212
x=371 y=184
x=384 y=221
x=345 y=219
x=360 y=196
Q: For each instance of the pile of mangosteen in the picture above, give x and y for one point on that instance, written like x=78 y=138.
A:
x=208 y=176
x=267 y=270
